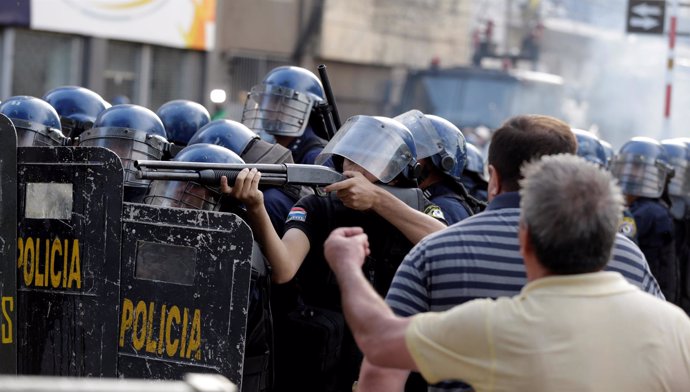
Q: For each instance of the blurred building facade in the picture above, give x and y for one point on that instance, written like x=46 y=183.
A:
x=367 y=45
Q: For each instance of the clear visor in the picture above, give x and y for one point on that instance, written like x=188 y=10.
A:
x=183 y=194
x=680 y=182
x=426 y=139
x=370 y=144
x=639 y=177
x=129 y=145
x=277 y=110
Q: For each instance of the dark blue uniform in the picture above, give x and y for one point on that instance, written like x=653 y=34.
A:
x=474 y=188
x=451 y=203
x=655 y=237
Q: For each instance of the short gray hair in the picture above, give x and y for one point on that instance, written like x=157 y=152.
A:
x=572 y=209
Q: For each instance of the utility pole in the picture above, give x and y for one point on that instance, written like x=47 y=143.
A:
x=666 y=129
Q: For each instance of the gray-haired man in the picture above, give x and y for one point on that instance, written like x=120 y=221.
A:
x=571 y=327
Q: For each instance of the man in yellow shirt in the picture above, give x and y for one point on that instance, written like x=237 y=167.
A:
x=572 y=327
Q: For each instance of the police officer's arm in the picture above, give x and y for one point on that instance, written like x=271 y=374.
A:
x=379 y=333
x=284 y=255
x=360 y=194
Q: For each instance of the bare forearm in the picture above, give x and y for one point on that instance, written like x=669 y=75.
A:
x=414 y=224
x=272 y=245
x=378 y=332
x=374 y=378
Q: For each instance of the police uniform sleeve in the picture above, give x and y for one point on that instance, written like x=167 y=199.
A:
x=434 y=211
x=310 y=215
x=408 y=294
x=454 y=345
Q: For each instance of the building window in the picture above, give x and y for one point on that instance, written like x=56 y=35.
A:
x=42 y=62
x=176 y=74
x=121 y=71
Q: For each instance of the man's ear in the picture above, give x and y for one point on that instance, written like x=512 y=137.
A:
x=524 y=239
x=494 y=188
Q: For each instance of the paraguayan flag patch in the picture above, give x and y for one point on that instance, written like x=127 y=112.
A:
x=297 y=214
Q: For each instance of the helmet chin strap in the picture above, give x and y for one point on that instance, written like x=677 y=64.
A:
x=423 y=173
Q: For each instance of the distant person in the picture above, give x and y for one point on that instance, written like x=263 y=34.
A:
x=591 y=148
x=441 y=152
x=678 y=151
x=120 y=100
x=473 y=174
x=572 y=327
x=642 y=168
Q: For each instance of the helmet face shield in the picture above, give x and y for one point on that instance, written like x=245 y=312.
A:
x=373 y=145
x=277 y=110
x=680 y=182
x=183 y=194
x=426 y=138
x=638 y=176
x=34 y=137
x=129 y=145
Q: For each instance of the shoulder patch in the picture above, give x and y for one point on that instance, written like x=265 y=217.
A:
x=628 y=227
x=297 y=214
x=435 y=212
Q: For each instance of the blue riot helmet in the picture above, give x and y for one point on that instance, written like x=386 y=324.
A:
x=191 y=194
x=589 y=147
x=78 y=108
x=36 y=122
x=133 y=132
x=227 y=133
x=642 y=167
x=609 y=152
x=242 y=141
x=475 y=161
x=121 y=100
x=282 y=102
x=451 y=158
x=182 y=118
x=679 y=186
x=380 y=145
x=437 y=139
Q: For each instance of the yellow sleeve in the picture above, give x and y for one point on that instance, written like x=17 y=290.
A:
x=454 y=345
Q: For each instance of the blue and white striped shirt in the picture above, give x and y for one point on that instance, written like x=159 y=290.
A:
x=480 y=257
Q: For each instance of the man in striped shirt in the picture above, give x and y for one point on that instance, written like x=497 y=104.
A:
x=480 y=256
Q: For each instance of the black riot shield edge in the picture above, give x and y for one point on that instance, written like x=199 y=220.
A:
x=184 y=292
x=8 y=246
x=68 y=254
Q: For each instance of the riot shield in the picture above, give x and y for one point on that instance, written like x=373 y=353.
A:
x=184 y=292
x=8 y=243
x=68 y=260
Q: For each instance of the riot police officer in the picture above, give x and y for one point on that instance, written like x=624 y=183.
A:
x=134 y=133
x=281 y=109
x=642 y=168
x=679 y=194
x=318 y=353
x=248 y=145
x=181 y=119
x=591 y=148
x=77 y=106
x=473 y=177
x=608 y=150
x=36 y=122
x=441 y=153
